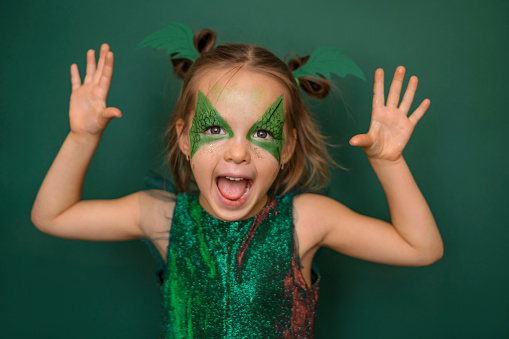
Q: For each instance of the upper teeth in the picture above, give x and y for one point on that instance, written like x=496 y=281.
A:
x=236 y=179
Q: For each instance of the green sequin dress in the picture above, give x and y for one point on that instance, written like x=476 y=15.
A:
x=235 y=279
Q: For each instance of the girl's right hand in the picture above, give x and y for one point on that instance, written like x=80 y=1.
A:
x=88 y=113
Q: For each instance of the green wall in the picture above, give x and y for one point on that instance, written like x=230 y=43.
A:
x=56 y=288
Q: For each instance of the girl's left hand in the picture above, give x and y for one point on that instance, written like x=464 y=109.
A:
x=390 y=128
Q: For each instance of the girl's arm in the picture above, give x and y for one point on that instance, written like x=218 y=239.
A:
x=413 y=238
x=58 y=209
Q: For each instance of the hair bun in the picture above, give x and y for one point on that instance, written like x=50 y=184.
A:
x=204 y=40
x=317 y=87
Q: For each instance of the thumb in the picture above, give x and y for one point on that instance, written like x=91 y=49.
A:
x=361 y=140
x=111 y=112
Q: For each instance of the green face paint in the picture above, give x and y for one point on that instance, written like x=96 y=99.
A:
x=272 y=121
x=205 y=117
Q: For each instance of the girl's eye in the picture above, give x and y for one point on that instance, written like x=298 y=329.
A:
x=262 y=134
x=214 y=130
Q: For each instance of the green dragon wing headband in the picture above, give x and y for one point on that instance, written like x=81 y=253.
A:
x=326 y=60
x=177 y=39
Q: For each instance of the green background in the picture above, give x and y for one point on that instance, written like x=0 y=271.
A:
x=57 y=288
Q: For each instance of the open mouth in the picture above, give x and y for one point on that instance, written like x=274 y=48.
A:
x=233 y=188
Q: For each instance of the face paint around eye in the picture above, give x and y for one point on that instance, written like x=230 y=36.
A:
x=271 y=121
x=205 y=117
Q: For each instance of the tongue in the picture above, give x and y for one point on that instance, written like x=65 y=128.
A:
x=231 y=189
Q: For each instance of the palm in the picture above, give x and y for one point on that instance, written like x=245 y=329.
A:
x=390 y=128
x=88 y=112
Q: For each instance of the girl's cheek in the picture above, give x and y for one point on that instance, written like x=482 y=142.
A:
x=256 y=153
x=264 y=158
x=261 y=154
x=213 y=149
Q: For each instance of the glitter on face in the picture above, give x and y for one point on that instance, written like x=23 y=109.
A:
x=211 y=148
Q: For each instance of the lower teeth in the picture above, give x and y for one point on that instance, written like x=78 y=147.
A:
x=243 y=195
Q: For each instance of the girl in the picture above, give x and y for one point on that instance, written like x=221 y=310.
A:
x=239 y=252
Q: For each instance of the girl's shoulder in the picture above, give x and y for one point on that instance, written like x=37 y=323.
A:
x=156 y=211
x=310 y=215
x=313 y=202
x=318 y=209
x=157 y=198
x=314 y=215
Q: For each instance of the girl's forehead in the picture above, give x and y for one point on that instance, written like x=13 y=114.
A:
x=240 y=92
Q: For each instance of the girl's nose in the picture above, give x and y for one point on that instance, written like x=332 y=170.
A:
x=237 y=151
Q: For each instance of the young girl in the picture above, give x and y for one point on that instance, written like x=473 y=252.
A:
x=239 y=252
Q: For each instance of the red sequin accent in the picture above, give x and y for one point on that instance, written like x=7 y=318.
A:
x=305 y=300
x=271 y=204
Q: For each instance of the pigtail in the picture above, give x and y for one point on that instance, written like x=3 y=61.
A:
x=317 y=87
x=203 y=41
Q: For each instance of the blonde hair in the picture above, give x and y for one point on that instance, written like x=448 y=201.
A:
x=308 y=166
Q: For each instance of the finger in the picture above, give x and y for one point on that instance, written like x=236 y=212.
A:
x=107 y=72
x=419 y=112
x=90 y=66
x=100 y=64
x=408 y=98
x=111 y=112
x=361 y=140
x=75 y=77
x=395 y=90
x=378 y=88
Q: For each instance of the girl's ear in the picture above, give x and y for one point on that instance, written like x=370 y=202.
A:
x=183 y=137
x=289 y=147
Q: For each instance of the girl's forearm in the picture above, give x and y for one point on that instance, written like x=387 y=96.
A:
x=410 y=214
x=63 y=183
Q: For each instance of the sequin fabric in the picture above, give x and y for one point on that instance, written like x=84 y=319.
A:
x=235 y=279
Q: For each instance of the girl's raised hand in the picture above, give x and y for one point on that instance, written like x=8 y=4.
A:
x=87 y=110
x=390 y=128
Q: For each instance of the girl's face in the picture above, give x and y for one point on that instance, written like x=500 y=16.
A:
x=236 y=141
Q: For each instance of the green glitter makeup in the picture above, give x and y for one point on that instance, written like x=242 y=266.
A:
x=208 y=125
x=272 y=122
